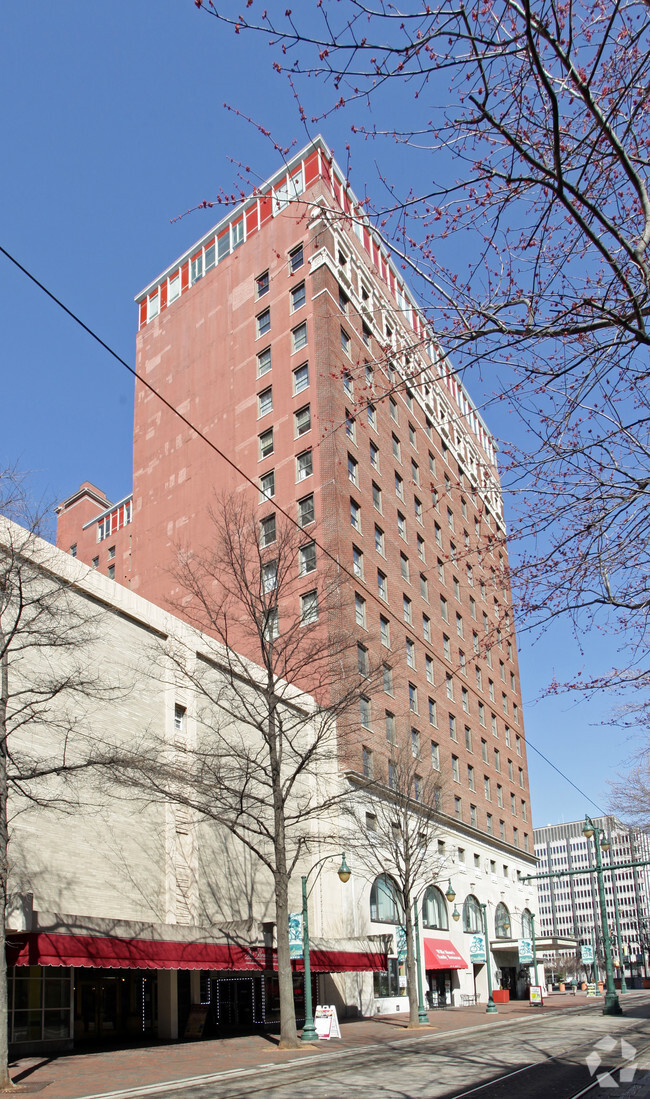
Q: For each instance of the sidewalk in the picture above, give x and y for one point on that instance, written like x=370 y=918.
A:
x=80 y=1075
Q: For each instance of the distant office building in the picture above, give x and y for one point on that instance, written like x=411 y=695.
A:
x=570 y=905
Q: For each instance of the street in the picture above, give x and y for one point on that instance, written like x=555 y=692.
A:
x=532 y=1058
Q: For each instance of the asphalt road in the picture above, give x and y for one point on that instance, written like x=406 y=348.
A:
x=532 y=1059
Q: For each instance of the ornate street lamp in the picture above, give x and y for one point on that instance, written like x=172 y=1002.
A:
x=612 y=1005
x=309 y=1033
x=491 y=1008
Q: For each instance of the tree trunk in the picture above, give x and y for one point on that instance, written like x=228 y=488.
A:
x=288 y=1030
x=5 y=1079
x=411 y=967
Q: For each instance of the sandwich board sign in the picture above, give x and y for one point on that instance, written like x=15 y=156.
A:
x=535 y=994
x=326 y=1022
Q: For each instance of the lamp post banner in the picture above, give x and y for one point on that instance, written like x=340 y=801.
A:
x=295 y=935
x=477 y=949
x=587 y=954
x=526 y=951
x=400 y=942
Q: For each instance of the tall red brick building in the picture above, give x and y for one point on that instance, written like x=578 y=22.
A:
x=289 y=338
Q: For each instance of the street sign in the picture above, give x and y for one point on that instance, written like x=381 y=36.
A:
x=525 y=951
x=477 y=949
x=295 y=934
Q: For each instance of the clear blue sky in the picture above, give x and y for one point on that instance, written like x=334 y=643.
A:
x=113 y=123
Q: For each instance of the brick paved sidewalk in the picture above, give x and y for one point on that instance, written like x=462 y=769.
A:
x=77 y=1075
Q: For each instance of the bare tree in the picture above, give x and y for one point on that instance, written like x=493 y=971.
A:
x=523 y=140
x=47 y=682
x=630 y=794
x=264 y=764
x=395 y=832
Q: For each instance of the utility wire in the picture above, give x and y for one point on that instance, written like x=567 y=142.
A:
x=385 y=609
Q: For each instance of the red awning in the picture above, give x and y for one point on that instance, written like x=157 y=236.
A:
x=40 y=948
x=441 y=954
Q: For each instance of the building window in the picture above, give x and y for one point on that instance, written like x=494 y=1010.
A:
x=455 y=772
x=357 y=562
x=267 y=530
x=264 y=362
x=348 y=384
x=385 y=902
x=452 y=727
x=353 y=470
x=429 y=668
x=111 y=572
x=379 y=540
x=401 y=525
x=376 y=496
x=308 y=608
x=390 y=726
x=304 y=465
x=73 y=549
x=269 y=577
x=384 y=631
x=262 y=284
x=302 y=421
x=412 y=436
x=272 y=624
x=404 y=567
x=446 y=647
x=265 y=401
x=364 y=705
x=263 y=322
x=399 y=487
x=363 y=664
x=360 y=610
x=374 y=456
x=421 y=551
x=410 y=652
x=486 y=788
x=435 y=756
x=393 y=409
x=473 y=819
x=299 y=337
x=413 y=698
x=179 y=718
x=111 y=553
x=388 y=678
x=449 y=680
x=406 y=609
x=345 y=341
x=301 y=378
x=396 y=448
x=382 y=585
x=497 y=760
x=307 y=557
x=444 y=613
x=458 y=808
x=433 y=713
x=500 y=796
x=298 y=297
x=355 y=514
x=296 y=258
x=417 y=504
x=426 y=627
x=415 y=743
x=306 y=510
x=350 y=426
x=95 y=562
x=267 y=486
x=266 y=443
x=490 y=832
x=368 y=770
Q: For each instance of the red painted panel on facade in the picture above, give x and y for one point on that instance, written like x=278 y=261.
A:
x=40 y=948
x=251 y=220
x=163 y=294
x=143 y=312
x=266 y=207
x=311 y=168
x=185 y=276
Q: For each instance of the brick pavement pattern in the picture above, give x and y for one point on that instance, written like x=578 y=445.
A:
x=77 y=1075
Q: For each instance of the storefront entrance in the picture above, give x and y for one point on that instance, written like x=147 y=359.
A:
x=113 y=1005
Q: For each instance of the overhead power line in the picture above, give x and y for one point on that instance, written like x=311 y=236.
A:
x=192 y=427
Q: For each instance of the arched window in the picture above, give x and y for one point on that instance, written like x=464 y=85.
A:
x=385 y=901
x=472 y=915
x=526 y=924
x=434 y=909
x=502 y=924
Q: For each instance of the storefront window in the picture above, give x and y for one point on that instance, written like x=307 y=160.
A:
x=385 y=901
x=39 y=1001
x=387 y=983
x=472 y=915
x=502 y=922
x=434 y=909
x=526 y=924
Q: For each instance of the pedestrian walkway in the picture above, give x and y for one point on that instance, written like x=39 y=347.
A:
x=81 y=1075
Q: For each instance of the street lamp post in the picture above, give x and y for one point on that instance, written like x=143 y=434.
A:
x=309 y=1033
x=612 y=1005
x=532 y=927
x=491 y=1008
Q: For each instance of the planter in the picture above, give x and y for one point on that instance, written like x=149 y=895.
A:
x=583 y=986
x=501 y=996
x=561 y=986
x=601 y=986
